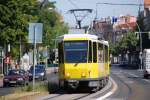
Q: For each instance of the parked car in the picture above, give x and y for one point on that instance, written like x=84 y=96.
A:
x=16 y=77
x=40 y=72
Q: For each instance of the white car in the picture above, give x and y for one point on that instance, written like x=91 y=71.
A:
x=146 y=63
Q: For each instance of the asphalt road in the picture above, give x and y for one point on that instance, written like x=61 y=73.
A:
x=6 y=90
x=131 y=84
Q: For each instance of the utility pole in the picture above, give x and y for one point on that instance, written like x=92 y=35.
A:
x=1 y=58
x=20 y=52
x=8 y=54
x=35 y=36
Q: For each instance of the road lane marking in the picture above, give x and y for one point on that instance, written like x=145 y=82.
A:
x=146 y=80
x=115 y=99
x=133 y=75
x=111 y=92
x=129 y=82
x=137 y=77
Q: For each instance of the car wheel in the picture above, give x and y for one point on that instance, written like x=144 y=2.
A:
x=27 y=83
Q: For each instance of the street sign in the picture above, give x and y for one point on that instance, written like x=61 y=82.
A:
x=7 y=60
x=35 y=32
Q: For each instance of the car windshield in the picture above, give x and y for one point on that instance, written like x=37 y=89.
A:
x=16 y=72
x=38 y=68
x=75 y=51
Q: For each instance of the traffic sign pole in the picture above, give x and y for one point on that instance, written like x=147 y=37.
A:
x=35 y=36
x=34 y=57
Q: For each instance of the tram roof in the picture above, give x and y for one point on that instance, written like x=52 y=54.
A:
x=78 y=37
x=81 y=37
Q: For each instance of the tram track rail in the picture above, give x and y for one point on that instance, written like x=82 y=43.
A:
x=123 y=82
x=77 y=95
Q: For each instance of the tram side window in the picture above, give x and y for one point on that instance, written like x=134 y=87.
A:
x=94 y=52
x=90 y=51
x=60 y=52
x=100 y=53
x=106 y=54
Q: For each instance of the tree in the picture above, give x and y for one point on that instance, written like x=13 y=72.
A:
x=127 y=44
x=16 y=16
x=53 y=24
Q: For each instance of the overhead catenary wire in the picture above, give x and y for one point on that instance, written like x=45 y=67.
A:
x=119 y=4
x=125 y=4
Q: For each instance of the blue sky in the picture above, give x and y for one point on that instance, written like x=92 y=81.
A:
x=103 y=10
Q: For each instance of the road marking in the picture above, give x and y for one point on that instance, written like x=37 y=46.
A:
x=133 y=75
x=146 y=80
x=115 y=99
x=111 y=92
x=129 y=82
x=138 y=76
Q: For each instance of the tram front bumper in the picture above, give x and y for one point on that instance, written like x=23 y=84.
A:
x=91 y=82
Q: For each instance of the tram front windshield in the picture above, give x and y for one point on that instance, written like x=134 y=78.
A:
x=75 y=51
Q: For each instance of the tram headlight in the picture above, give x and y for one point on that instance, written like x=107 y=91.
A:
x=83 y=75
x=68 y=74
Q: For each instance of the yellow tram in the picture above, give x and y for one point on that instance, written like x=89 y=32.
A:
x=83 y=61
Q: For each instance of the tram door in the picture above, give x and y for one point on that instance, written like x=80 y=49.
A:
x=101 y=59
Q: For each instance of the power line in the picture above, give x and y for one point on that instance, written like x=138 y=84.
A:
x=123 y=4
x=120 y=4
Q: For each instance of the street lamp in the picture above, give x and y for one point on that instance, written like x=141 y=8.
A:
x=140 y=35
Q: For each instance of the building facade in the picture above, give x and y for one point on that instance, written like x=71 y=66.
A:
x=103 y=28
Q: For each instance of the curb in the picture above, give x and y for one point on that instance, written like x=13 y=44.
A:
x=114 y=88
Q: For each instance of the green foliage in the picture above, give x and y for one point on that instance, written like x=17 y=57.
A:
x=114 y=48
x=127 y=43
x=39 y=87
x=16 y=16
x=53 y=26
